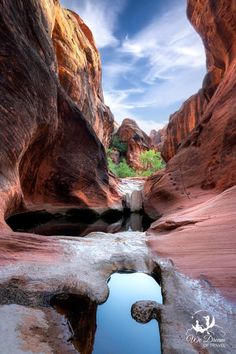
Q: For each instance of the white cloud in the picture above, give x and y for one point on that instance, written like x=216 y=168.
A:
x=145 y=74
x=166 y=64
x=168 y=43
x=148 y=125
x=100 y=16
x=121 y=108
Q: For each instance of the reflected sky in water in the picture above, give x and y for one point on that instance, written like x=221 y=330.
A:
x=117 y=332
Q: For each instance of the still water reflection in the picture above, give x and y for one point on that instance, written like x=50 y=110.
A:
x=109 y=328
x=117 y=332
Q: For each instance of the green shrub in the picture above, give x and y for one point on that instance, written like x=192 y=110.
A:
x=124 y=170
x=111 y=165
x=117 y=144
x=121 y=170
x=151 y=161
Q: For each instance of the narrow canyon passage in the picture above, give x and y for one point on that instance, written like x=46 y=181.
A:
x=117 y=224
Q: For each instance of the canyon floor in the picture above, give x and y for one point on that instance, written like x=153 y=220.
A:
x=36 y=268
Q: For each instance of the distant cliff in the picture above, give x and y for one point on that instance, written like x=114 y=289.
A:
x=136 y=139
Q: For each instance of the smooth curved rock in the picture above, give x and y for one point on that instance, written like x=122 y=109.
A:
x=205 y=163
x=79 y=70
x=50 y=156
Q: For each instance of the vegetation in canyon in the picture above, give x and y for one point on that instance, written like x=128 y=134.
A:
x=150 y=160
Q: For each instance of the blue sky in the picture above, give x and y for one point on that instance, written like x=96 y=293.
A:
x=152 y=58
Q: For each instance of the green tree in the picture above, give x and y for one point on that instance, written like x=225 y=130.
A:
x=119 y=145
x=124 y=170
x=111 y=165
x=151 y=161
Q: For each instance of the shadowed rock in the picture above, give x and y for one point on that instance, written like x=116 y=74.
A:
x=50 y=155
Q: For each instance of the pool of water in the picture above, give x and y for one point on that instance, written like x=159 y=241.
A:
x=117 y=332
x=78 y=222
x=109 y=328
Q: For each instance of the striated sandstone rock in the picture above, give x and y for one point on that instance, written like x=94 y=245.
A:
x=201 y=241
x=205 y=164
x=157 y=138
x=50 y=155
x=79 y=70
x=182 y=123
x=136 y=140
x=215 y=22
x=195 y=194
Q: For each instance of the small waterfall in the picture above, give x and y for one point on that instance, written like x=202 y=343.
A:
x=131 y=189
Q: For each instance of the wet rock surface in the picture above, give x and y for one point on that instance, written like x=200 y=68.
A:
x=39 y=268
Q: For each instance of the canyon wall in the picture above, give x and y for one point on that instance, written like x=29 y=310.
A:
x=218 y=35
x=79 y=70
x=205 y=162
x=181 y=123
x=157 y=138
x=50 y=154
x=194 y=197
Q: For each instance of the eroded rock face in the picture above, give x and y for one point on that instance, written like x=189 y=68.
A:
x=136 y=140
x=79 y=70
x=157 y=138
x=205 y=163
x=215 y=22
x=50 y=155
x=182 y=123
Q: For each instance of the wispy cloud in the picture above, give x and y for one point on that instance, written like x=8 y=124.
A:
x=100 y=16
x=148 y=75
x=168 y=44
x=165 y=61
